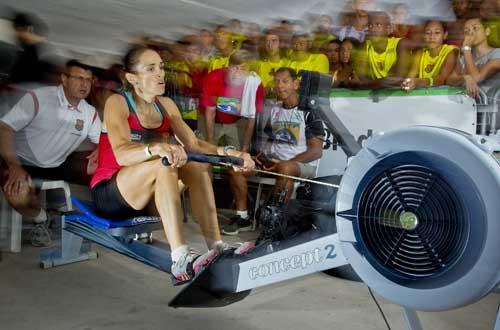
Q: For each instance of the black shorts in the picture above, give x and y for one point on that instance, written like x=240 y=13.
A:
x=110 y=203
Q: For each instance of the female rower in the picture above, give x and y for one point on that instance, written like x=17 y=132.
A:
x=140 y=127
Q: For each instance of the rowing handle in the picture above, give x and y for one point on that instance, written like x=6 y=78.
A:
x=210 y=159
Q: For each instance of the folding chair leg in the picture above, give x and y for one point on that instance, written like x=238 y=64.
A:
x=11 y=224
x=72 y=249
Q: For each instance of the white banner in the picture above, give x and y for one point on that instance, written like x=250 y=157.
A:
x=366 y=113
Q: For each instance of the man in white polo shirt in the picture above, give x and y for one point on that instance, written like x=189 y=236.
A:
x=39 y=135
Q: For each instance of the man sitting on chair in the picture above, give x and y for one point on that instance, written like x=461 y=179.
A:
x=39 y=137
x=293 y=146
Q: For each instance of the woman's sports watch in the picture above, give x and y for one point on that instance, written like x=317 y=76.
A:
x=226 y=149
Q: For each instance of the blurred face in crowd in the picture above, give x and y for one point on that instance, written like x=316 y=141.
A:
x=360 y=19
x=179 y=51
x=284 y=30
x=149 y=74
x=399 y=14
x=237 y=74
x=223 y=41
x=378 y=26
x=434 y=34
x=345 y=51
x=474 y=29
x=234 y=26
x=366 y=5
x=300 y=44
x=77 y=83
x=324 y=24
x=271 y=44
x=253 y=30
x=285 y=87
x=192 y=53
x=205 y=38
x=489 y=8
x=166 y=55
x=460 y=7
x=332 y=51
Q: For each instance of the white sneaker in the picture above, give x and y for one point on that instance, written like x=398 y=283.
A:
x=182 y=269
x=190 y=264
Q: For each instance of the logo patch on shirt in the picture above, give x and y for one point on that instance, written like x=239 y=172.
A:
x=79 y=124
x=228 y=105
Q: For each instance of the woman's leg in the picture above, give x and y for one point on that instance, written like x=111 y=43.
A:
x=196 y=177
x=139 y=183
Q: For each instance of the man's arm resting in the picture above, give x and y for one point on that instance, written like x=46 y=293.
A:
x=17 y=176
x=491 y=67
x=247 y=134
x=314 y=151
x=7 y=145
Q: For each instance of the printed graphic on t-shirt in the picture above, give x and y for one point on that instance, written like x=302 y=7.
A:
x=148 y=136
x=229 y=105
x=286 y=132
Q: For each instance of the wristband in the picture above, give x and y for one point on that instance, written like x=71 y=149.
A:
x=148 y=151
x=466 y=48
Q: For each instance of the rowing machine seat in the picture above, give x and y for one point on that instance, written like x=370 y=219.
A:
x=116 y=227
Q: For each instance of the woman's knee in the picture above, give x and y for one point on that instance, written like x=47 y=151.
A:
x=152 y=166
x=192 y=171
x=162 y=169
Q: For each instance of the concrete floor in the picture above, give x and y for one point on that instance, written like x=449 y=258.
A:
x=114 y=292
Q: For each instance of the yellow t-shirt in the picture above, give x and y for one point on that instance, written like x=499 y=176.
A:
x=380 y=64
x=265 y=69
x=494 y=37
x=216 y=62
x=177 y=73
x=238 y=40
x=431 y=66
x=315 y=62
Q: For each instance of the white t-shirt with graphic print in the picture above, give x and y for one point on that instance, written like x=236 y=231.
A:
x=290 y=130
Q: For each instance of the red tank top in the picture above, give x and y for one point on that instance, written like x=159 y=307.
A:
x=107 y=165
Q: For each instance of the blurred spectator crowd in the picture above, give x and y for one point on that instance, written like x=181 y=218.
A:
x=367 y=46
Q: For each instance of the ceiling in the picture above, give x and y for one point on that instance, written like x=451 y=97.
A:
x=104 y=26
